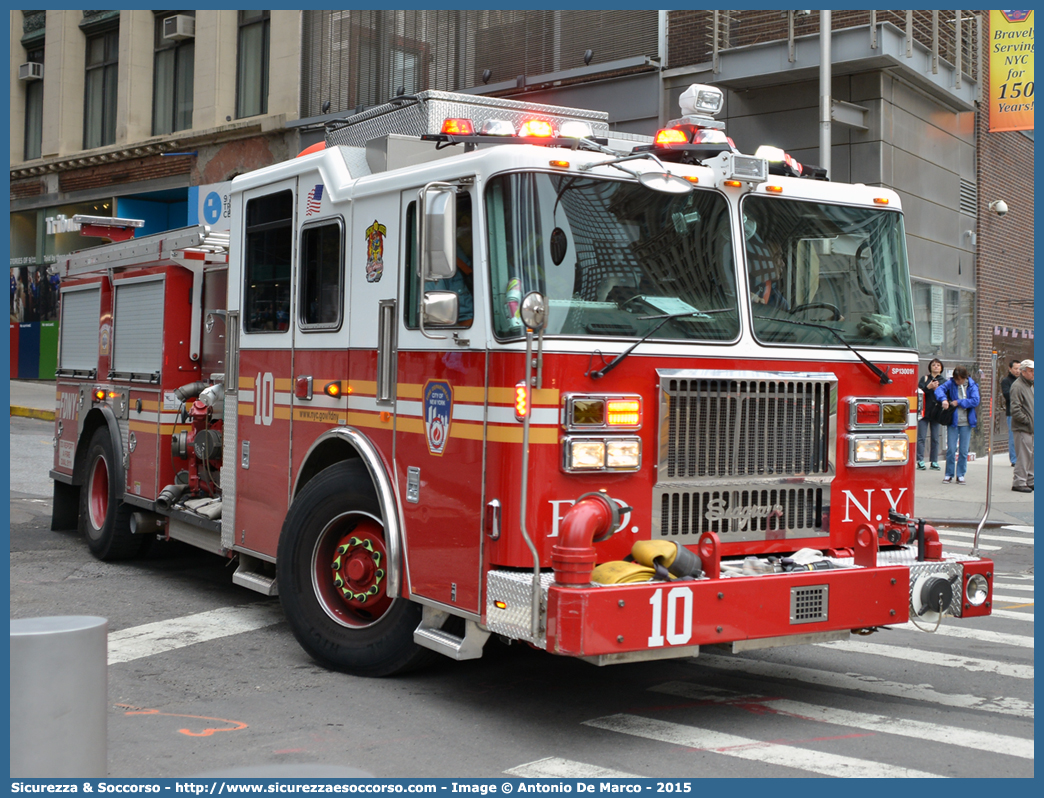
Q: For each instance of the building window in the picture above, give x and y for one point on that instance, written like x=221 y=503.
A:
x=321 y=275
x=252 y=64
x=269 y=234
x=34 y=110
x=99 y=117
x=945 y=320
x=172 y=80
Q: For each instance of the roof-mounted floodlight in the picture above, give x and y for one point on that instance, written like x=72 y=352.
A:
x=700 y=99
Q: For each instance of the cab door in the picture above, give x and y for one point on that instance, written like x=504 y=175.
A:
x=439 y=428
x=265 y=375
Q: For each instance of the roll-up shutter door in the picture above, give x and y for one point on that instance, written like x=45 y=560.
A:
x=79 y=329
x=137 y=346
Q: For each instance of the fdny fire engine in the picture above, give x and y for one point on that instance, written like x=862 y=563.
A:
x=483 y=367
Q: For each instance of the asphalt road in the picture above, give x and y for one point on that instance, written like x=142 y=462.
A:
x=224 y=684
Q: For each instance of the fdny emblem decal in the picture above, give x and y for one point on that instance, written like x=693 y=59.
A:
x=314 y=202
x=1016 y=16
x=438 y=412
x=375 y=234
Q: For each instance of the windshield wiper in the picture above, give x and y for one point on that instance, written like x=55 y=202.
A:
x=884 y=378
x=597 y=375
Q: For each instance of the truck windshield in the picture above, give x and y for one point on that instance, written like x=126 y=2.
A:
x=828 y=265
x=611 y=256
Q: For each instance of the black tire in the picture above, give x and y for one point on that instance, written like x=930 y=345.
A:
x=104 y=518
x=367 y=632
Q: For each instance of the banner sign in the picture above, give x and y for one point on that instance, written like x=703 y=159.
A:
x=1011 y=70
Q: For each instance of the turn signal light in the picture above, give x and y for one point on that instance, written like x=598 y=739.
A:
x=868 y=413
x=333 y=389
x=99 y=394
x=623 y=412
x=536 y=127
x=774 y=189
x=458 y=127
x=881 y=200
x=732 y=183
x=521 y=401
x=560 y=164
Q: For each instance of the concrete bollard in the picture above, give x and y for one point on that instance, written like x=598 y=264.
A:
x=59 y=696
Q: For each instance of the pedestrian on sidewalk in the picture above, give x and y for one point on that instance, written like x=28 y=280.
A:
x=1022 y=426
x=928 y=419
x=1013 y=374
x=961 y=394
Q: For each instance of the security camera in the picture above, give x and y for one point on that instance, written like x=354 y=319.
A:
x=999 y=207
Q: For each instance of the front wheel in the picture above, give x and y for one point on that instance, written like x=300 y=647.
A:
x=104 y=518
x=332 y=570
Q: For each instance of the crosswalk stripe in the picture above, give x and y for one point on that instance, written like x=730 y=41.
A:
x=780 y=754
x=966 y=633
x=932 y=658
x=1010 y=586
x=980 y=740
x=1013 y=615
x=1018 y=599
x=155 y=638
x=966 y=544
x=1016 y=528
x=1002 y=705
x=555 y=768
x=953 y=533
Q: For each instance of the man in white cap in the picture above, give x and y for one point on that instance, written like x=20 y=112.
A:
x=1022 y=428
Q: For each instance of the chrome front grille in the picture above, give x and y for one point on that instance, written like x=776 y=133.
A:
x=745 y=424
x=744 y=454
x=741 y=514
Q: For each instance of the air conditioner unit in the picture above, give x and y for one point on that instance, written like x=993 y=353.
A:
x=30 y=71
x=178 y=27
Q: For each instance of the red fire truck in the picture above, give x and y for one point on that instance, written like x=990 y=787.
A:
x=481 y=366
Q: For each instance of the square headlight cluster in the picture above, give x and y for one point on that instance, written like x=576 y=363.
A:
x=888 y=413
x=601 y=454
x=865 y=450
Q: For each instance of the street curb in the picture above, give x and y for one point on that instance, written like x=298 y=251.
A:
x=32 y=412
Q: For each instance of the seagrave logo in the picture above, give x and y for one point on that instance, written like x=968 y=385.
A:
x=718 y=511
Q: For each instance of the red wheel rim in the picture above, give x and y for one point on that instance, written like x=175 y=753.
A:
x=350 y=572
x=98 y=495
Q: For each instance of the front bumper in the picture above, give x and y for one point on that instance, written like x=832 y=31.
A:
x=654 y=620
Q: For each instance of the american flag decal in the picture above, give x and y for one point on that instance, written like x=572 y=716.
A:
x=315 y=200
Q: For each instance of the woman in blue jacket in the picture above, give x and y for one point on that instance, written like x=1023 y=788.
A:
x=962 y=395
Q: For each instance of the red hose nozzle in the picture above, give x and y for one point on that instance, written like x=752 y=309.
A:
x=594 y=515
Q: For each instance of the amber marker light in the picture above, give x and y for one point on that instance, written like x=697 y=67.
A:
x=385 y=416
x=881 y=200
x=521 y=401
x=99 y=394
x=774 y=189
x=536 y=127
x=333 y=389
x=458 y=127
x=623 y=412
x=500 y=605
x=732 y=183
x=691 y=178
x=560 y=164
x=669 y=136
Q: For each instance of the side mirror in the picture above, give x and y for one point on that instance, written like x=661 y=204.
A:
x=534 y=311
x=438 y=233
x=439 y=308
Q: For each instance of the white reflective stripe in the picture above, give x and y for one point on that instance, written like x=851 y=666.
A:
x=282 y=398
x=155 y=638
x=1002 y=705
x=777 y=754
x=554 y=768
x=1010 y=586
x=932 y=658
x=881 y=724
x=246 y=396
x=547 y=416
x=542 y=416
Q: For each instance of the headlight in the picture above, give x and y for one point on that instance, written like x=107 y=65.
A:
x=601 y=454
x=586 y=455
x=623 y=454
x=977 y=589
x=895 y=450
x=878 y=413
x=868 y=451
x=586 y=413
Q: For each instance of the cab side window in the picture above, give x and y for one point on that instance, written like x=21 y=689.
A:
x=322 y=276
x=462 y=283
x=269 y=243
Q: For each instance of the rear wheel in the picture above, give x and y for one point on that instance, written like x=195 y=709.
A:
x=332 y=572
x=104 y=518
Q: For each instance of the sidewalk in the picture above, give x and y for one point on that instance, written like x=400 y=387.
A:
x=935 y=502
